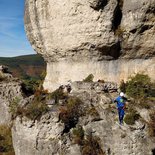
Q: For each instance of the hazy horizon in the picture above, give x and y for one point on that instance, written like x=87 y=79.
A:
x=18 y=55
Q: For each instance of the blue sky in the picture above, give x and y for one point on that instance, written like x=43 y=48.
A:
x=13 y=41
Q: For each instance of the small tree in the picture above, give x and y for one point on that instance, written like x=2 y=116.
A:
x=138 y=86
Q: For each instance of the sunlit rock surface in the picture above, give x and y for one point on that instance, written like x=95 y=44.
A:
x=110 y=39
x=48 y=136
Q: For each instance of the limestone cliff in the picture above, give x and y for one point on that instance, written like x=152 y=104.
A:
x=111 y=39
x=95 y=131
x=83 y=122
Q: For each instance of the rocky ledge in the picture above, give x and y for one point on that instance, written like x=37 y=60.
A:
x=84 y=122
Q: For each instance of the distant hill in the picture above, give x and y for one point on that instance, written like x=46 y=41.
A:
x=23 y=66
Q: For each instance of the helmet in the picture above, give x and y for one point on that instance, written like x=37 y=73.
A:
x=121 y=94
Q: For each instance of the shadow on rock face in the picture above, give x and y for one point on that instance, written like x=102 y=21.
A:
x=153 y=152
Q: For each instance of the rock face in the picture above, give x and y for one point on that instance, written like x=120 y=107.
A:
x=111 y=39
x=138 y=28
x=31 y=138
x=10 y=89
x=48 y=136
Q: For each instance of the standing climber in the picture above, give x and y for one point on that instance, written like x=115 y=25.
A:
x=120 y=100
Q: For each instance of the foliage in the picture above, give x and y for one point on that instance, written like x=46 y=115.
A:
x=30 y=85
x=6 y=146
x=19 y=65
x=37 y=107
x=131 y=117
x=14 y=62
x=138 y=86
x=2 y=77
x=78 y=135
x=70 y=113
x=89 y=78
x=58 y=95
x=122 y=86
x=151 y=91
x=151 y=124
x=91 y=146
x=94 y=113
x=35 y=110
x=13 y=107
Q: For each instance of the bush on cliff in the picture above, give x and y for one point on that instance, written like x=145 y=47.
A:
x=131 y=117
x=6 y=146
x=14 y=107
x=58 y=95
x=78 y=134
x=70 y=113
x=37 y=107
x=2 y=77
x=33 y=110
x=30 y=85
x=140 y=88
x=151 y=124
x=89 y=144
x=89 y=78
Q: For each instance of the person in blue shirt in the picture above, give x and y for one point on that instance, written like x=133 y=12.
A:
x=120 y=100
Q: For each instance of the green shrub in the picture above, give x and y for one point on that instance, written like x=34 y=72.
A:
x=131 y=117
x=70 y=113
x=151 y=91
x=6 y=146
x=35 y=110
x=30 y=85
x=89 y=78
x=2 y=77
x=138 y=86
x=13 y=107
x=78 y=135
x=140 y=89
